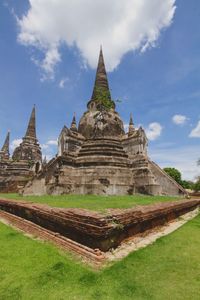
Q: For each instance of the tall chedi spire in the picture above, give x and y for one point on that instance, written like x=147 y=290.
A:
x=31 y=130
x=29 y=149
x=101 y=80
x=4 y=153
x=101 y=119
x=101 y=95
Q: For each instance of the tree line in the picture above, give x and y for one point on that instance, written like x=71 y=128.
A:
x=186 y=184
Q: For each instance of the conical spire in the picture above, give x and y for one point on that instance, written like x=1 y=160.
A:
x=131 y=124
x=101 y=85
x=73 y=124
x=131 y=120
x=31 y=131
x=5 y=148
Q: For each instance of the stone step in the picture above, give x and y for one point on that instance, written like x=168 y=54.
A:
x=120 y=147
x=104 y=153
x=99 y=148
x=102 y=160
x=103 y=147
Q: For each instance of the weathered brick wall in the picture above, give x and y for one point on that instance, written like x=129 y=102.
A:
x=96 y=230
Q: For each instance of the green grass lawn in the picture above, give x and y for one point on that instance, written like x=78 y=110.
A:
x=168 y=269
x=92 y=202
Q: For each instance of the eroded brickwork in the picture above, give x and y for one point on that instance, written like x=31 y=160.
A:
x=26 y=161
x=97 y=230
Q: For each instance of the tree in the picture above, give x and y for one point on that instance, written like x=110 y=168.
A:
x=197 y=185
x=174 y=173
x=187 y=184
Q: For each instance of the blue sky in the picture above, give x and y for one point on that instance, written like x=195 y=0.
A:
x=160 y=86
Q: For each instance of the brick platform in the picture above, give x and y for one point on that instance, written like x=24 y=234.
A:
x=96 y=230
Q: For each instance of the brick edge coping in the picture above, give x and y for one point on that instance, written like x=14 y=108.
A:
x=94 y=257
x=95 y=230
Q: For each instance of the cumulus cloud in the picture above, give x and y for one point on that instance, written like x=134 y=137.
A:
x=49 y=149
x=179 y=119
x=15 y=143
x=52 y=142
x=126 y=127
x=44 y=146
x=153 y=131
x=49 y=144
x=195 y=133
x=120 y=26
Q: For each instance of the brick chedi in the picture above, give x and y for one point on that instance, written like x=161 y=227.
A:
x=98 y=157
x=5 y=153
x=29 y=149
x=26 y=161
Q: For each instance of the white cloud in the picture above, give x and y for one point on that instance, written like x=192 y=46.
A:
x=179 y=119
x=153 y=131
x=52 y=57
x=52 y=142
x=63 y=82
x=48 y=144
x=120 y=26
x=15 y=143
x=182 y=158
x=195 y=131
x=126 y=127
x=49 y=149
x=44 y=146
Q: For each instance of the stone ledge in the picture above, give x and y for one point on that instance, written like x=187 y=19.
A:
x=96 y=230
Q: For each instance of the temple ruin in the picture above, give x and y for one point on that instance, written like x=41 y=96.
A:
x=98 y=156
x=25 y=162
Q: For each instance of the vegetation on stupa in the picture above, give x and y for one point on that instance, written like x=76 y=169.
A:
x=102 y=97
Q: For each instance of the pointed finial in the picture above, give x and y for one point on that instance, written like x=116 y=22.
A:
x=6 y=145
x=73 y=124
x=131 y=124
x=31 y=130
x=101 y=81
x=131 y=119
x=74 y=118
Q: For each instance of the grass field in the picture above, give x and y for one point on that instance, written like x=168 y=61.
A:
x=168 y=269
x=92 y=202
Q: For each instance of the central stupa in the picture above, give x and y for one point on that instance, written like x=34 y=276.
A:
x=101 y=119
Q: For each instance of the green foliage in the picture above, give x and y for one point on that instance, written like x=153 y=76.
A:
x=103 y=98
x=187 y=184
x=30 y=269
x=196 y=186
x=92 y=202
x=174 y=173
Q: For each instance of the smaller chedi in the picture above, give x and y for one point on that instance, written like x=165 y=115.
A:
x=98 y=156
x=25 y=162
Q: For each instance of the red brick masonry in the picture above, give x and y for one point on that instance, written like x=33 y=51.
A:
x=96 y=230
